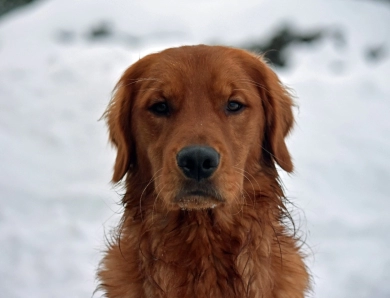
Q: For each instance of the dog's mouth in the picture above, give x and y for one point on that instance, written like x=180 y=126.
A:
x=198 y=195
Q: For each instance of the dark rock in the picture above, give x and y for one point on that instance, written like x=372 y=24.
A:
x=101 y=31
x=9 y=5
x=274 y=49
x=376 y=53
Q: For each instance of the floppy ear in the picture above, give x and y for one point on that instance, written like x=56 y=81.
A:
x=118 y=118
x=277 y=104
x=279 y=117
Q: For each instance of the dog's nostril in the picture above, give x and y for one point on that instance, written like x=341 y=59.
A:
x=188 y=164
x=198 y=162
x=207 y=164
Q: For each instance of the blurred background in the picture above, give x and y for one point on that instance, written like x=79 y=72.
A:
x=59 y=61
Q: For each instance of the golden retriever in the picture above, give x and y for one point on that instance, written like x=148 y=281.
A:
x=199 y=131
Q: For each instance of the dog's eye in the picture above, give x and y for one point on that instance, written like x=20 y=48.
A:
x=234 y=106
x=160 y=108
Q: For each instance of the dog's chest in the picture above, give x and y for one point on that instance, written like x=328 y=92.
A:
x=204 y=261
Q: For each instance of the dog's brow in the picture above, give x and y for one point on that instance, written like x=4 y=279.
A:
x=134 y=81
x=150 y=89
x=239 y=89
x=257 y=84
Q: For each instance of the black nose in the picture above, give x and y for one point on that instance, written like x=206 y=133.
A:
x=198 y=162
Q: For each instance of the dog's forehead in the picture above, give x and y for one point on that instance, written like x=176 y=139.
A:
x=189 y=67
x=197 y=68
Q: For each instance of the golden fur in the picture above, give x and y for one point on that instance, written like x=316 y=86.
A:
x=233 y=243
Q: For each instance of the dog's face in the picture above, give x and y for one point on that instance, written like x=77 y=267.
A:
x=197 y=121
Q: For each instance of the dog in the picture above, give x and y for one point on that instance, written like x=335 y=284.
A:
x=199 y=131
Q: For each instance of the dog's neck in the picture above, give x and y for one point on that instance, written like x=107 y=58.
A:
x=188 y=248
x=179 y=251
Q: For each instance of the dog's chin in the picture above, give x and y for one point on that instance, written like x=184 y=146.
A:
x=197 y=203
x=197 y=196
x=197 y=200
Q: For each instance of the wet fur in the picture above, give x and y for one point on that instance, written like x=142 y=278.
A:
x=239 y=248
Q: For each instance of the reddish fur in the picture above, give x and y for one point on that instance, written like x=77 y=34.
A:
x=240 y=248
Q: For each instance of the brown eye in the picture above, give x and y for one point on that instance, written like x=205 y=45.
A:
x=234 y=106
x=160 y=109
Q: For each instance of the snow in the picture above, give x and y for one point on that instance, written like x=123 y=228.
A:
x=56 y=202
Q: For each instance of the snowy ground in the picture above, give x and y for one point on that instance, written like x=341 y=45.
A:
x=55 y=199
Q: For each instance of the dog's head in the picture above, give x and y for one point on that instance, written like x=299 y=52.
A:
x=197 y=121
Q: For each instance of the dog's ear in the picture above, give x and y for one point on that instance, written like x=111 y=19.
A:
x=118 y=119
x=280 y=119
x=277 y=104
x=119 y=128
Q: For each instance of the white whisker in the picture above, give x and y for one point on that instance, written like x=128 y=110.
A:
x=143 y=191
